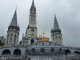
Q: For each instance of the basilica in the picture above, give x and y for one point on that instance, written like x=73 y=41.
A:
x=34 y=47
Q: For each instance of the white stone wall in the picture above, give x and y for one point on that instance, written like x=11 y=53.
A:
x=11 y=35
x=57 y=38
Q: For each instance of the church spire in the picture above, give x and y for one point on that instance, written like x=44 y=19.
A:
x=33 y=8
x=33 y=2
x=56 y=26
x=14 y=19
x=56 y=32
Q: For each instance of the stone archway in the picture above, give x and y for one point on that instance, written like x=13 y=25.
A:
x=6 y=52
x=77 y=52
x=17 y=52
x=32 y=40
x=67 y=51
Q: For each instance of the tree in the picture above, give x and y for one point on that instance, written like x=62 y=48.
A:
x=2 y=36
x=1 y=43
x=20 y=42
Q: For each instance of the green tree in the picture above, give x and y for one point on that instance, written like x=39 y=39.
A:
x=2 y=36
x=20 y=42
x=1 y=43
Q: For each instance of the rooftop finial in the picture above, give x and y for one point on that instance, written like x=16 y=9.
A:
x=54 y=14
x=33 y=0
x=16 y=7
x=54 y=11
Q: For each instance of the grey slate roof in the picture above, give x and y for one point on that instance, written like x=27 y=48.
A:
x=56 y=26
x=14 y=19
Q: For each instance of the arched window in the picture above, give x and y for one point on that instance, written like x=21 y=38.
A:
x=32 y=50
x=52 y=50
x=11 y=35
x=55 y=36
x=67 y=51
x=7 y=39
x=32 y=40
x=60 y=50
x=14 y=38
x=59 y=37
x=42 y=50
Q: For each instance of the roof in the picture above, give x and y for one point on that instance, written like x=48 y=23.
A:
x=56 y=26
x=14 y=20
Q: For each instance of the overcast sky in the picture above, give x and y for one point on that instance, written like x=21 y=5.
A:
x=67 y=12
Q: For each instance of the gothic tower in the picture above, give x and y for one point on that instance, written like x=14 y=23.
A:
x=56 y=35
x=13 y=31
x=31 y=31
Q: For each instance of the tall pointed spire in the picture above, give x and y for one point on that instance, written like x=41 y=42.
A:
x=33 y=8
x=33 y=3
x=14 y=19
x=56 y=26
x=13 y=23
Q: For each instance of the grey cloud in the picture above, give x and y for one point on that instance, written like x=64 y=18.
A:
x=67 y=12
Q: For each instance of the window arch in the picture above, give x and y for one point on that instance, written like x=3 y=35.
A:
x=42 y=50
x=32 y=40
x=11 y=35
x=59 y=37
x=7 y=38
x=17 y=52
x=67 y=51
x=60 y=50
x=14 y=38
x=52 y=50
x=32 y=50
x=55 y=36
x=6 y=52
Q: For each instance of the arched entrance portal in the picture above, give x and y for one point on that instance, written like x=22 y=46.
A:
x=77 y=52
x=32 y=40
x=6 y=52
x=17 y=52
x=67 y=51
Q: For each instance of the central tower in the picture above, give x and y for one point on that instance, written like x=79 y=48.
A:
x=31 y=31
